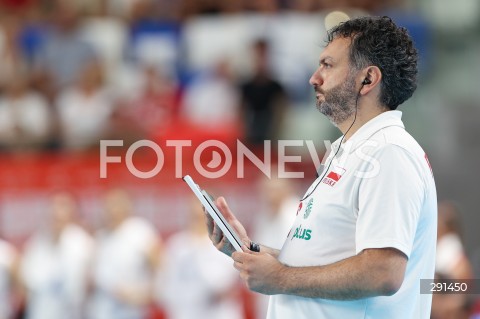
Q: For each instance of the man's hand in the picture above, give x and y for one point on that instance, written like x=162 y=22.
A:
x=215 y=233
x=261 y=272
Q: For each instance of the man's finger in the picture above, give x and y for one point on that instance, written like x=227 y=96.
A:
x=239 y=256
x=224 y=209
x=238 y=266
x=235 y=256
x=245 y=249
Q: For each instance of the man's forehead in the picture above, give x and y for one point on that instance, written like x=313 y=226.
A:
x=337 y=50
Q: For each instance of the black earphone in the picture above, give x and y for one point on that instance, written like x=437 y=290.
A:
x=365 y=81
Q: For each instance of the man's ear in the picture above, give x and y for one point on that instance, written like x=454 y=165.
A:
x=371 y=79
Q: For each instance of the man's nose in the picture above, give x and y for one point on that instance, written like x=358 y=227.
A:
x=316 y=79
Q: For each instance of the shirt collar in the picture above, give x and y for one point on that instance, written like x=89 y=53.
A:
x=383 y=120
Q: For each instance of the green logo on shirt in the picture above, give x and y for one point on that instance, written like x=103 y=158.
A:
x=308 y=209
x=304 y=234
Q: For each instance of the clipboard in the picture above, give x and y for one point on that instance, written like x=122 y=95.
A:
x=214 y=212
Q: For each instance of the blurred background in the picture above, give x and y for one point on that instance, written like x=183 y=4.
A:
x=74 y=72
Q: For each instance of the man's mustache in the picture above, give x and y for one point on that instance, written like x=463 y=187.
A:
x=318 y=90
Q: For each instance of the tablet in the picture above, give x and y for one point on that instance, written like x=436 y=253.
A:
x=212 y=209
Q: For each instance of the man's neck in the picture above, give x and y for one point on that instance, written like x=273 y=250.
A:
x=363 y=116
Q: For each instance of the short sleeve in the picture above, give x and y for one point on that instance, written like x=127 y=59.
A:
x=389 y=201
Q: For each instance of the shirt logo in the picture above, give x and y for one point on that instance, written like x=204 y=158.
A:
x=308 y=209
x=300 y=233
x=334 y=176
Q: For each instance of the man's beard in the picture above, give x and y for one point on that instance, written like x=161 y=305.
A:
x=339 y=102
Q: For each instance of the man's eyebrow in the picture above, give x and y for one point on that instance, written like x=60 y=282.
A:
x=324 y=59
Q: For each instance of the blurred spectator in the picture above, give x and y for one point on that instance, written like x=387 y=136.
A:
x=8 y=257
x=36 y=26
x=149 y=113
x=264 y=100
x=452 y=263
x=195 y=280
x=196 y=7
x=122 y=8
x=12 y=59
x=55 y=263
x=154 y=37
x=124 y=263
x=476 y=310
x=211 y=101
x=25 y=118
x=85 y=109
x=15 y=5
x=304 y=5
x=108 y=36
x=266 y=6
x=294 y=40
x=64 y=52
x=273 y=223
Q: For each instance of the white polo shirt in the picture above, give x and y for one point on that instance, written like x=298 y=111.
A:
x=378 y=192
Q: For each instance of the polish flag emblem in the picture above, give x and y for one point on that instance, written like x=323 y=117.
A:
x=336 y=173
x=334 y=176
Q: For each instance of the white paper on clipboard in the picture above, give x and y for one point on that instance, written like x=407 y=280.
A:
x=215 y=213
